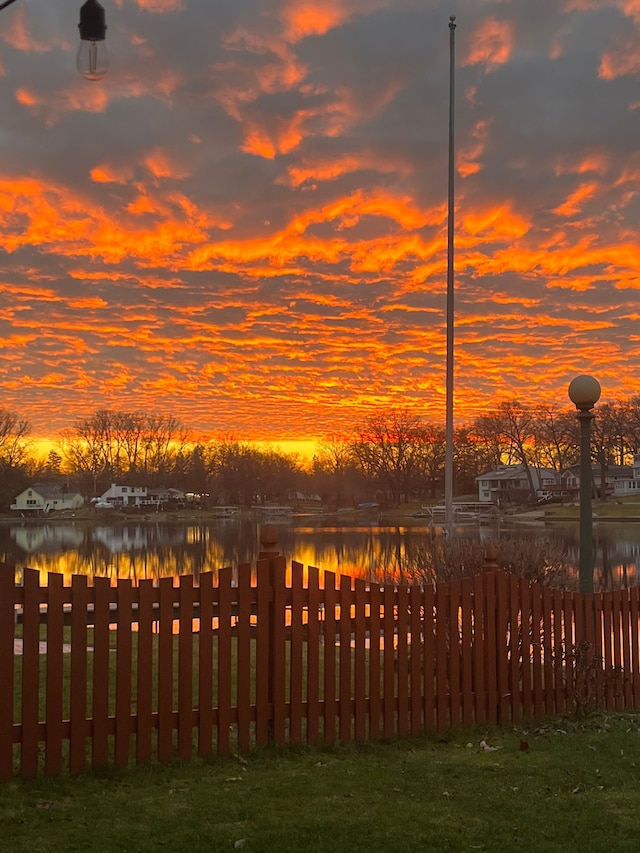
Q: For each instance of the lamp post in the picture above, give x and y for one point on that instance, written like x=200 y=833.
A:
x=448 y=458
x=585 y=391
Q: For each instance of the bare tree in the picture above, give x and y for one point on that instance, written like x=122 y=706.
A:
x=123 y=444
x=429 y=457
x=14 y=434
x=386 y=450
x=336 y=461
x=554 y=440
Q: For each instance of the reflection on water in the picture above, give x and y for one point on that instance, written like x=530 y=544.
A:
x=152 y=550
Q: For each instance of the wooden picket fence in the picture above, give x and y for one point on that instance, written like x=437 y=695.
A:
x=108 y=673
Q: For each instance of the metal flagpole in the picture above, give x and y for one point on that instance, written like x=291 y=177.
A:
x=448 y=465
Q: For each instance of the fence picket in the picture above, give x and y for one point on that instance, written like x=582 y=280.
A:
x=243 y=669
x=78 y=674
x=388 y=663
x=295 y=653
x=490 y=662
x=375 y=687
x=144 y=672
x=344 y=657
x=467 y=641
x=536 y=598
x=478 y=642
x=502 y=647
x=415 y=661
x=54 y=675
x=100 y=686
x=313 y=656
x=608 y=662
x=166 y=593
x=31 y=676
x=329 y=720
x=634 y=609
x=627 y=630
x=403 y=660
x=442 y=657
x=560 y=661
x=454 y=653
x=223 y=663
x=516 y=643
x=264 y=652
x=547 y=651
x=618 y=671
x=360 y=659
x=8 y=592
x=123 y=672
x=185 y=668
x=278 y=581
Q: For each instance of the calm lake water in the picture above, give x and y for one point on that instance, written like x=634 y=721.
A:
x=156 y=549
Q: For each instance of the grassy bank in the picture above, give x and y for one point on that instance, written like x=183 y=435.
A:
x=576 y=788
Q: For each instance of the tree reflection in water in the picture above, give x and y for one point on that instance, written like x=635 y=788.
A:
x=399 y=554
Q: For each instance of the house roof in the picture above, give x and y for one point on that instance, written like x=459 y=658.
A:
x=620 y=470
x=512 y=472
x=48 y=490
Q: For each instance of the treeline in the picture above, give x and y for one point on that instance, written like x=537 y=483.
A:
x=392 y=457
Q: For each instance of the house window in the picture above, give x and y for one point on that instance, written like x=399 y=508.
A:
x=31 y=503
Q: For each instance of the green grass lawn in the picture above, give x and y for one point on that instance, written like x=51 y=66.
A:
x=577 y=788
x=611 y=508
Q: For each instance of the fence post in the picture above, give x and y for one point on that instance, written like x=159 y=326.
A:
x=490 y=558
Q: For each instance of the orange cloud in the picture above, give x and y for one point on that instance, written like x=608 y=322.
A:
x=498 y=223
x=162 y=165
x=630 y=8
x=622 y=60
x=302 y=18
x=592 y=161
x=490 y=44
x=17 y=34
x=160 y=6
x=466 y=161
x=109 y=174
x=573 y=205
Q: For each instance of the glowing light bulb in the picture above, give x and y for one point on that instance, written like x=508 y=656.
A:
x=92 y=61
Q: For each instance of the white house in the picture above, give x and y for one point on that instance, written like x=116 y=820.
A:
x=46 y=498
x=119 y=496
x=618 y=479
x=510 y=483
x=629 y=485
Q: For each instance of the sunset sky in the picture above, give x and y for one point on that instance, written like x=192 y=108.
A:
x=244 y=224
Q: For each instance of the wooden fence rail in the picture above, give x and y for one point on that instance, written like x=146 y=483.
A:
x=114 y=674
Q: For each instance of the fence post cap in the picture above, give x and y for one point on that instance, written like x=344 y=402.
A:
x=269 y=538
x=490 y=557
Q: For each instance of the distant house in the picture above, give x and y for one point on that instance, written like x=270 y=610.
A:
x=120 y=496
x=629 y=485
x=510 y=483
x=165 y=497
x=44 y=498
x=618 y=479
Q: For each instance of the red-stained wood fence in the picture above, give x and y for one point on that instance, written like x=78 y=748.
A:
x=271 y=655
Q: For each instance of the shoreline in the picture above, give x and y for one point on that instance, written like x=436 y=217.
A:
x=210 y=516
